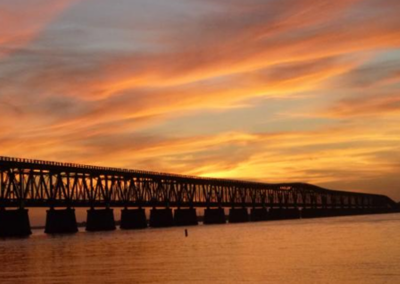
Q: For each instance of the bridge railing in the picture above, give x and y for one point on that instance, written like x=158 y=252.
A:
x=301 y=188
x=34 y=162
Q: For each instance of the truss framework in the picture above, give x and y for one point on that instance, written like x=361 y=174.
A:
x=36 y=183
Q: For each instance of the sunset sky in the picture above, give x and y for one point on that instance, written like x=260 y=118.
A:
x=263 y=90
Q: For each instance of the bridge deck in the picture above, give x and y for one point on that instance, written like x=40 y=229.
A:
x=36 y=183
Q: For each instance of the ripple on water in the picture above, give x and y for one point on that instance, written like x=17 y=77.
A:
x=345 y=250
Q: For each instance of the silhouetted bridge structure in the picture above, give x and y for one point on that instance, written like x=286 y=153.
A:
x=34 y=183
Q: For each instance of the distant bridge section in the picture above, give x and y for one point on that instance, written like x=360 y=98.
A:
x=35 y=183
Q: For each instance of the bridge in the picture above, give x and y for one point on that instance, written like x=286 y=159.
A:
x=174 y=200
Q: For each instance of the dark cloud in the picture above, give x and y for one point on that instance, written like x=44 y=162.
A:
x=88 y=82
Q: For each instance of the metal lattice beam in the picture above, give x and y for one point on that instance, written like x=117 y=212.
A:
x=36 y=183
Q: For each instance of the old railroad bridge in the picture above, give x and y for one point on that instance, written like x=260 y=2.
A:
x=34 y=183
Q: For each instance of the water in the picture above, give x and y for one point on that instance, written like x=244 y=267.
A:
x=363 y=249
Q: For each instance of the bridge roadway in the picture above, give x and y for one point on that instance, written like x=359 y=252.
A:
x=34 y=183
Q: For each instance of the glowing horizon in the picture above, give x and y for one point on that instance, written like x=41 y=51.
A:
x=269 y=91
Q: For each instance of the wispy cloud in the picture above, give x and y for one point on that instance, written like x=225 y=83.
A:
x=377 y=105
x=101 y=82
x=22 y=21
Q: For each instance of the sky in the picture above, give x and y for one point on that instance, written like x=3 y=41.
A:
x=261 y=90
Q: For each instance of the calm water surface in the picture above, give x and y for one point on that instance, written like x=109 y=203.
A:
x=364 y=249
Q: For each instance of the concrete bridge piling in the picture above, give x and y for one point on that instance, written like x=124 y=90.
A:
x=161 y=218
x=185 y=217
x=238 y=215
x=29 y=183
x=100 y=220
x=214 y=216
x=14 y=223
x=61 y=221
x=258 y=214
x=283 y=213
x=133 y=219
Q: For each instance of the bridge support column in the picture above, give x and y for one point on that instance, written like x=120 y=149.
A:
x=14 y=223
x=329 y=212
x=308 y=213
x=185 y=217
x=161 y=218
x=292 y=213
x=133 y=219
x=348 y=212
x=377 y=210
x=238 y=215
x=283 y=214
x=100 y=220
x=321 y=212
x=364 y=211
x=275 y=214
x=61 y=221
x=258 y=214
x=214 y=216
x=358 y=211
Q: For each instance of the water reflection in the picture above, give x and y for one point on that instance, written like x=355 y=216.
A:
x=361 y=249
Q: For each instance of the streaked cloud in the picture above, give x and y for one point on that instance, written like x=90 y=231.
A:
x=378 y=105
x=22 y=21
x=163 y=86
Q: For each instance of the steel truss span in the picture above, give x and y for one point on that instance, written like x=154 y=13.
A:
x=36 y=183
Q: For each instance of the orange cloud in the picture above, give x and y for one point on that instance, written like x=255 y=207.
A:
x=21 y=22
x=236 y=46
x=73 y=98
x=377 y=105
